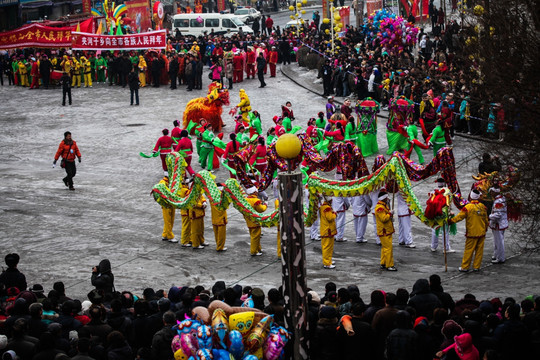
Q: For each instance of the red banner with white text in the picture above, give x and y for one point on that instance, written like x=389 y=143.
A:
x=373 y=5
x=147 y=40
x=35 y=35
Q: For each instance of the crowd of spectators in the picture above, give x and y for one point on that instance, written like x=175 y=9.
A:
x=422 y=323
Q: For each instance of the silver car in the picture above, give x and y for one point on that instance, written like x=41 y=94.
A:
x=247 y=15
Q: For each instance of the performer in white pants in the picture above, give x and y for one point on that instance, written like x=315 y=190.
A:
x=498 y=222
x=340 y=205
x=373 y=197
x=434 y=237
x=360 y=213
x=404 y=220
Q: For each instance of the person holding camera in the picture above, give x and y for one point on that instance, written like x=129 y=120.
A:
x=102 y=277
x=68 y=150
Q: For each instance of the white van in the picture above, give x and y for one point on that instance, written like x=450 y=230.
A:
x=222 y=24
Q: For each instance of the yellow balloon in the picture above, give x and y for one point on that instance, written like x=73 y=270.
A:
x=303 y=12
x=292 y=17
x=332 y=8
x=340 y=25
x=296 y=15
x=291 y=8
x=304 y=2
x=242 y=321
x=298 y=5
x=337 y=17
x=326 y=20
x=301 y=21
x=288 y=146
x=327 y=31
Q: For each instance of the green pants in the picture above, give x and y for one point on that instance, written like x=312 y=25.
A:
x=419 y=153
x=205 y=154
x=101 y=75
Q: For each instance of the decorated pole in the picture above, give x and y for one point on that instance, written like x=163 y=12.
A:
x=444 y=244
x=291 y=221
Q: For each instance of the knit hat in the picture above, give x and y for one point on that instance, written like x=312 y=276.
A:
x=450 y=329
x=315 y=297
x=37 y=289
x=382 y=195
x=440 y=182
x=328 y=312
x=3 y=342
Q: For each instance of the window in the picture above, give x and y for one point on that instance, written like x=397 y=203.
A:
x=237 y=22
x=181 y=23
x=212 y=23
x=195 y=23
x=241 y=12
x=227 y=23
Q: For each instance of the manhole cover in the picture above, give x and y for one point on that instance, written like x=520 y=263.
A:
x=133 y=125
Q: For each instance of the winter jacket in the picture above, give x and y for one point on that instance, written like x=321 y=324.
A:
x=423 y=300
x=103 y=279
x=161 y=344
x=476 y=217
x=68 y=151
x=12 y=277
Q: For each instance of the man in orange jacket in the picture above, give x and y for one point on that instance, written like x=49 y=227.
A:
x=68 y=150
x=272 y=61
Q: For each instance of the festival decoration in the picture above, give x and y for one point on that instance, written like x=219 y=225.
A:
x=392 y=32
x=158 y=14
x=366 y=139
x=398 y=167
x=209 y=107
x=401 y=111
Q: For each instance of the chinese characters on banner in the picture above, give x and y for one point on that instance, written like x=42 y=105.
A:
x=148 y=40
x=87 y=6
x=324 y=14
x=373 y=5
x=35 y=35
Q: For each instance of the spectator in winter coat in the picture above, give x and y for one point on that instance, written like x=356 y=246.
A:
x=324 y=343
x=12 y=277
x=377 y=303
x=360 y=344
x=384 y=321
x=402 y=342
x=423 y=300
x=445 y=298
x=102 y=277
x=161 y=342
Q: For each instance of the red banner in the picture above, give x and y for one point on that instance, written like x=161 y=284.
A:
x=139 y=13
x=221 y=5
x=373 y=5
x=35 y=35
x=324 y=14
x=344 y=14
x=87 y=6
x=148 y=40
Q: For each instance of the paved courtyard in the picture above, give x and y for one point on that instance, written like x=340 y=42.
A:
x=61 y=235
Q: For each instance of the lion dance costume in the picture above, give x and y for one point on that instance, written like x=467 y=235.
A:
x=209 y=107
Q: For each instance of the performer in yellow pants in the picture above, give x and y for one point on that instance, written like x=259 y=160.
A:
x=76 y=72
x=219 y=223
x=185 y=239
x=197 y=223
x=254 y=228
x=168 y=219
x=385 y=228
x=328 y=231
x=23 y=73
x=86 y=68
x=476 y=224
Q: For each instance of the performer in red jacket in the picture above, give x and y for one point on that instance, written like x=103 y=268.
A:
x=164 y=146
x=186 y=147
x=272 y=61
x=238 y=68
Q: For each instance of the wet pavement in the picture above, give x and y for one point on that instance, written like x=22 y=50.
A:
x=62 y=234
